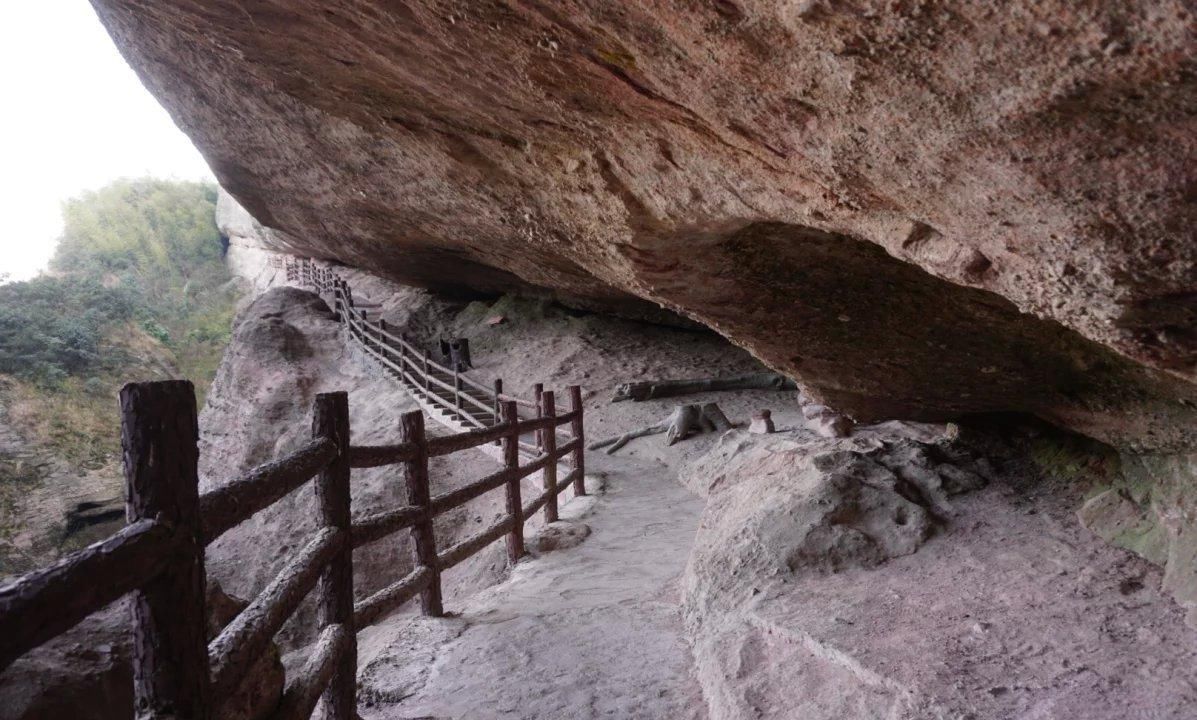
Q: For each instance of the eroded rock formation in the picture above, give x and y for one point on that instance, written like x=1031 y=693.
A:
x=918 y=209
x=880 y=576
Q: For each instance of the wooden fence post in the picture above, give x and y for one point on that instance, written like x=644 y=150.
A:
x=415 y=471
x=515 y=507
x=498 y=404
x=403 y=357
x=159 y=436
x=330 y=419
x=457 y=393
x=427 y=376
x=537 y=390
x=549 y=443
x=579 y=457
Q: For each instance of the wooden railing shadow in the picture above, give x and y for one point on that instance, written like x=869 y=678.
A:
x=159 y=555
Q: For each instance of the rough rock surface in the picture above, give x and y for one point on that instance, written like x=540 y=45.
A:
x=560 y=536
x=86 y=673
x=880 y=578
x=45 y=503
x=865 y=194
x=1150 y=507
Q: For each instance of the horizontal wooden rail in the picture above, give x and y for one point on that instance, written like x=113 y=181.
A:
x=377 y=526
x=302 y=693
x=37 y=607
x=432 y=396
x=476 y=385
x=244 y=639
x=460 y=496
x=542 y=499
x=368 y=456
x=517 y=400
x=230 y=505
x=369 y=610
x=463 y=550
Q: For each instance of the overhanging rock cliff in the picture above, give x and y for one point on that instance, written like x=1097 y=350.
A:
x=919 y=211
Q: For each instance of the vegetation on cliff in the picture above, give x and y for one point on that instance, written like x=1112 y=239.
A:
x=137 y=290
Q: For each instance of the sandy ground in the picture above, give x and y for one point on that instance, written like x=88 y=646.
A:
x=585 y=632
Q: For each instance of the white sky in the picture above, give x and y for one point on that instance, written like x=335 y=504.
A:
x=73 y=117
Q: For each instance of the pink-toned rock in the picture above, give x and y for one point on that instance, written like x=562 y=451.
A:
x=561 y=535
x=762 y=423
x=920 y=211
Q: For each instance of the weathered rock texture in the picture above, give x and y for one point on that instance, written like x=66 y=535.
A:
x=867 y=195
x=880 y=577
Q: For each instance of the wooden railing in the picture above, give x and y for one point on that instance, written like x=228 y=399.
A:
x=159 y=555
x=471 y=402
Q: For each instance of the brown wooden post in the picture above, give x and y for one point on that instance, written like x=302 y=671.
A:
x=403 y=356
x=515 y=507
x=549 y=440
x=427 y=375
x=423 y=536
x=159 y=436
x=579 y=457
x=498 y=404
x=537 y=390
x=457 y=392
x=330 y=419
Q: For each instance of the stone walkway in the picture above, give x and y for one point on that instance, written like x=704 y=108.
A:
x=586 y=632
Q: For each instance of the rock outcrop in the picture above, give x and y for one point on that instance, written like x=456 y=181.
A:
x=920 y=210
x=882 y=576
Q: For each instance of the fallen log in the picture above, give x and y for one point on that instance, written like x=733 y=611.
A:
x=685 y=420
x=652 y=389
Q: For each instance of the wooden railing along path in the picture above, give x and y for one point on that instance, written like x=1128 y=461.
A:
x=442 y=387
x=159 y=555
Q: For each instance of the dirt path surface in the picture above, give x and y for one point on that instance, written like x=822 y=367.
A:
x=591 y=631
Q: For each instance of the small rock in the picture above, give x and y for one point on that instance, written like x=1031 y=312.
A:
x=762 y=423
x=561 y=535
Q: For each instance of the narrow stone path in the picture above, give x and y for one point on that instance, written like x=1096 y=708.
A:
x=586 y=632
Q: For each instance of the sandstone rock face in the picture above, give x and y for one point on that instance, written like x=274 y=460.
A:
x=868 y=195
x=892 y=575
x=286 y=349
x=1151 y=508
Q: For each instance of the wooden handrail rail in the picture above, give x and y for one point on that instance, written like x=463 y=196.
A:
x=43 y=604
x=463 y=550
x=159 y=555
x=368 y=456
x=377 y=526
x=232 y=504
x=244 y=639
x=302 y=693
x=369 y=610
x=373 y=336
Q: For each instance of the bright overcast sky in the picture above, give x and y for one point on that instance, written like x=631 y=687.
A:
x=75 y=117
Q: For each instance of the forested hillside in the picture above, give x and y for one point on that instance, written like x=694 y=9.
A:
x=137 y=289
